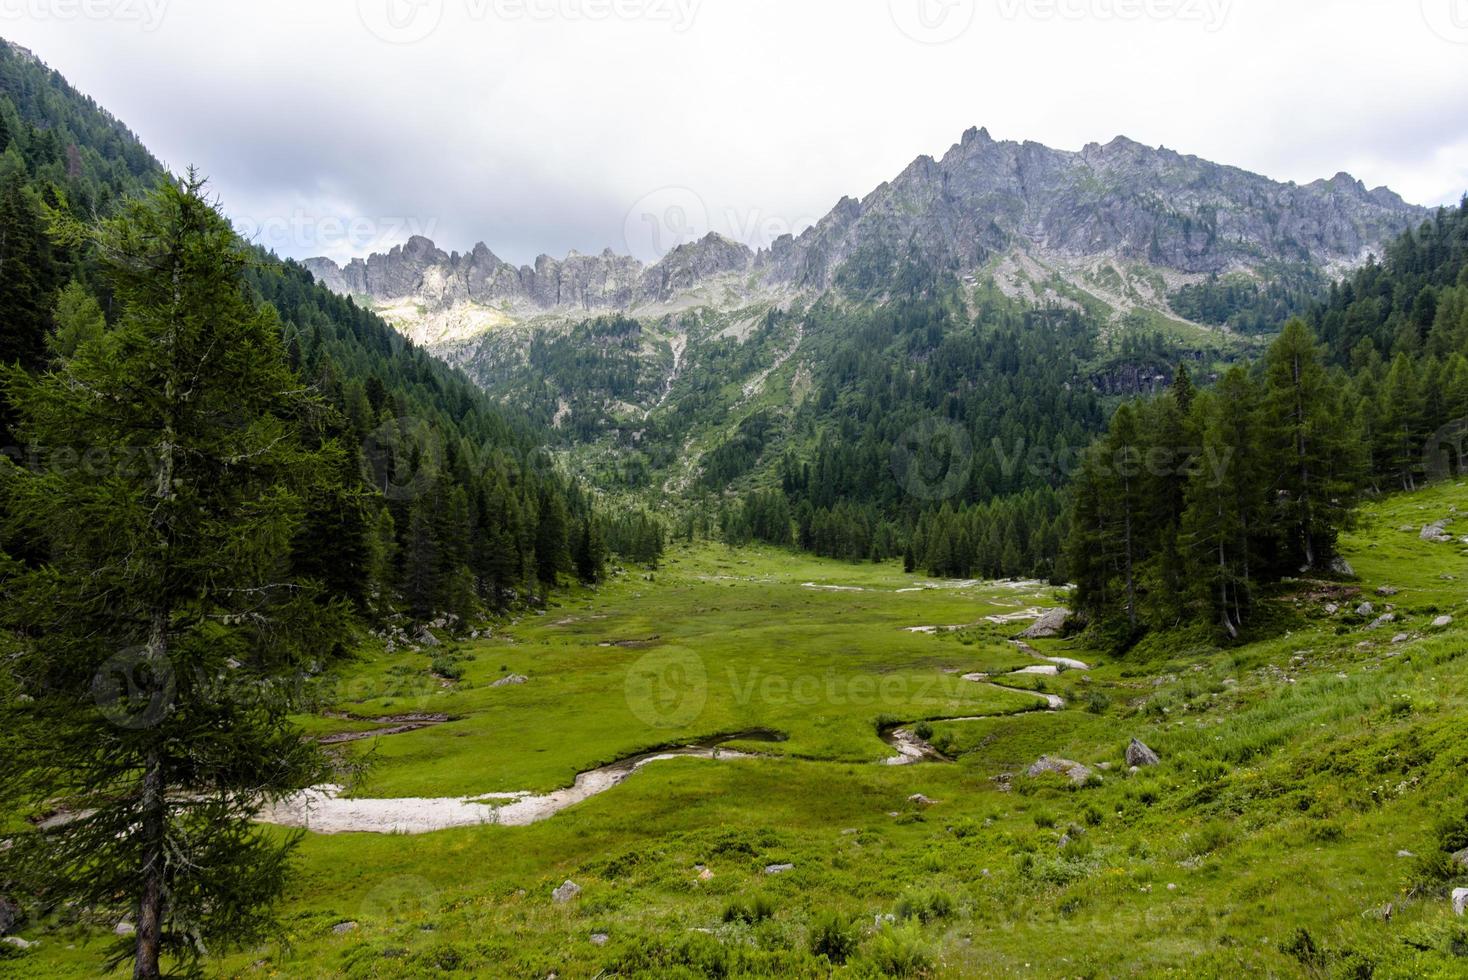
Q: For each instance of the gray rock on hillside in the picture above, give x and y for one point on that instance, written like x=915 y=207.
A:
x=1073 y=771
x=1437 y=533
x=514 y=680
x=1442 y=622
x=1048 y=626
x=566 y=892
x=1460 y=901
x=1138 y=755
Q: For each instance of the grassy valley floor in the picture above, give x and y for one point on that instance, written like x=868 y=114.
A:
x=1309 y=785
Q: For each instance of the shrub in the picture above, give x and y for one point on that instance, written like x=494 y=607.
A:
x=757 y=909
x=900 y=951
x=834 y=936
x=923 y=730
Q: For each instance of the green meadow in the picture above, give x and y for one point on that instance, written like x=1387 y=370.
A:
x=1312 y=784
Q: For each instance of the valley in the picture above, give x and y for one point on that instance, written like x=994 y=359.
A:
x=1293 y=771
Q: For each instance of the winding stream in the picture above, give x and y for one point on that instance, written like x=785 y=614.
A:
x=324 y=810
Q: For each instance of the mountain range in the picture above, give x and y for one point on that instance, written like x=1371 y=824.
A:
x=1122 y=222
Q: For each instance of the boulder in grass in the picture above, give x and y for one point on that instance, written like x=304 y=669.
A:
x=566 y=892
x=1137 y=754
x=514 y=680
x=1365 y=609
x=342 y=928
x=17 y=942
x=1460 y=901
x=1437 y=533
x=1442 y=622
x=1074 y=771
x=1048 y=626
x=427 y=639
x=779 y=869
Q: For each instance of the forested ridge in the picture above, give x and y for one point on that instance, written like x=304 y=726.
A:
x=449 y=507
x=1196 y=502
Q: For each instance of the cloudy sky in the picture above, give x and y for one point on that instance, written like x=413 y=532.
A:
x=340 y=127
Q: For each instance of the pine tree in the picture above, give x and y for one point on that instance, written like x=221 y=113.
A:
x=1305 y=447
x=25 y=277
x=78 y=319
x=165 y=634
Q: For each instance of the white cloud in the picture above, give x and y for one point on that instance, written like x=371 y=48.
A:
x=536 y=125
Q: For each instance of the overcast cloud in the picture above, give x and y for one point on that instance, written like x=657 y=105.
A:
x=340 y=127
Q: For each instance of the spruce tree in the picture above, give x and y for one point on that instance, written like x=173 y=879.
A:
x=164 y=635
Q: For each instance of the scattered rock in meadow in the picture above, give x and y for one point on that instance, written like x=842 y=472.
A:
x=1074 y=771
x=921 y=800
x=1405 y=854
x=124 y=928
x=1437 y=533
x=1387 y=591
x=1400 y=638
x=566 y=892
x=1048 y=626
x=600 y=939
x=1442 y=622
x=514 y=680
x=1339 y=566
x=1331 y=609
x=778 y=869
x=1061 y=844
x=342 y=928
x=17 y=942
x=705 y=874
x=426 y=639
x=1365 y=609
x=1460 y=901
x=1137 y=754
x=1384 y=619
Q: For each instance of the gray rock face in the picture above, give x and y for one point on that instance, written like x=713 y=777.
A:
x=1122 y=200
x=1141 y=204
x=1073 y=771
x=566 y=892
x=1048 y=626
x=1137 y=754
x=442 y=280
x=1460 y=901
x=1442 y=622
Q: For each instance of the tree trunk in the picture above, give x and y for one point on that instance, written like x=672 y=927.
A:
x=150 y=901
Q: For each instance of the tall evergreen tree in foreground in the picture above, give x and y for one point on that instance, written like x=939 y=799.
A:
x=161 y=640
